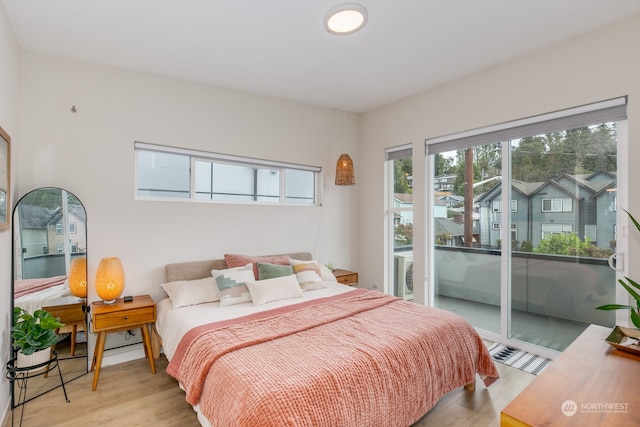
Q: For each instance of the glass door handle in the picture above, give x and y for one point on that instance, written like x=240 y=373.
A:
x=616 y=261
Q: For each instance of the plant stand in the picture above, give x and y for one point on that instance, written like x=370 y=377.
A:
x=20 y=377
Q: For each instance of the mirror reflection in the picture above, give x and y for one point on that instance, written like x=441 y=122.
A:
x=49 y=265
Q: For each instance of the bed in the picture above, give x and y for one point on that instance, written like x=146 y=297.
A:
x=33 y=294
x=330 y=355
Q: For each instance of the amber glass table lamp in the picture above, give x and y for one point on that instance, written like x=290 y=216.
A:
x=109 y=279
x=78 y=277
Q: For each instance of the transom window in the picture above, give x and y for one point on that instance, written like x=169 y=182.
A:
x=174 y=173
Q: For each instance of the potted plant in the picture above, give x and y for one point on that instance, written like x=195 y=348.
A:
x=629 y=285
x=33 y=335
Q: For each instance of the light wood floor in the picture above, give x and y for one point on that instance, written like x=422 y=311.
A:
x=129 y=395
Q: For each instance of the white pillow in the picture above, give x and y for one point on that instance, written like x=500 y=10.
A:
x=327 y=275
x=278 y=288
x=191 y=292
x=308 y=274
x=231 y=284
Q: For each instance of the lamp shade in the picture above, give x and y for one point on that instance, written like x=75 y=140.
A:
x=109 y=279
x=78 y=277
x=344 y=171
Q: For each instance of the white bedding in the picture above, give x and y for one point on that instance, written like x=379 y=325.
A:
x=37 y=300
x=172 y=323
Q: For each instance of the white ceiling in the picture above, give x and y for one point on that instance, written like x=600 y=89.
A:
x=280 y=47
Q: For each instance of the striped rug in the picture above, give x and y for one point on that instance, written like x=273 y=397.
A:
x=519 y=359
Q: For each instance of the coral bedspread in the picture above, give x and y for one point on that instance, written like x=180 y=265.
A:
x=362 y=358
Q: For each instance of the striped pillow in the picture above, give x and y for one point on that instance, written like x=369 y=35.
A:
x=308 y=274
x=232 y=288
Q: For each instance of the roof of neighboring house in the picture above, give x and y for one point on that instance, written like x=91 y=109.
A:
x=452 y=197
x=75 y=210
x=526 y=188
x=403 y=197
x=582 y=180
x=34 y=216
x=448 y=225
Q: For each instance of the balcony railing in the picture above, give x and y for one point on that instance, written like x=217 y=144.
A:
x=561 y=287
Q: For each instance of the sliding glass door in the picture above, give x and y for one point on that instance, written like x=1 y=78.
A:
x=523 y=222
x=466 y=254
x=565 y=184
x=400 y=214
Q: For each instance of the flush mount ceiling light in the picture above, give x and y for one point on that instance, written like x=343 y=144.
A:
x=345 y=19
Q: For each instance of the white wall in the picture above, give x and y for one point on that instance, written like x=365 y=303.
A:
x=9 y=101
x=601 y=65
x=90 y=153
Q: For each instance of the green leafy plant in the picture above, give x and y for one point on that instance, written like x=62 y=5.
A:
x=33 y=332
x=629 y=285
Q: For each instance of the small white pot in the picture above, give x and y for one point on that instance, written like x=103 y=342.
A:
x=36 y=358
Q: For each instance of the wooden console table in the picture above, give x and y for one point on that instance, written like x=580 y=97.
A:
x=589 y=384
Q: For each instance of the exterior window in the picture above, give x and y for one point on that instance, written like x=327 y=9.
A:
x=58 y=228
x=495 y=206
x=590 y=232
x=497 y=226
x=557 y=205
x=165 y=172
x=549 y=229
x=60 y=248
x=72 y=228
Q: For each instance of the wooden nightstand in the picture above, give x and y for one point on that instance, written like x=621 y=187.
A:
x=346 y=277
x=71 y=311
x=121 y=316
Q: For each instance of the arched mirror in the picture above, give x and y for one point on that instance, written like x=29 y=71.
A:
x=49 y=272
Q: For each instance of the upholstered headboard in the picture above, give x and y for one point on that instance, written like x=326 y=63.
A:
x=192 y=270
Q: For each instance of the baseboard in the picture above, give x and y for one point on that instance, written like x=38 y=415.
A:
x=121 y=355
x=6 y=415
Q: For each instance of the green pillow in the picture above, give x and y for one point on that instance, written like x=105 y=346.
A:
x=271 y=271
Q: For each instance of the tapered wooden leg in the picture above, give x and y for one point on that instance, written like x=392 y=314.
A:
x=97 y=359
x=53 y=347
x=74 y=332
x=147 y=347
x=471 y=386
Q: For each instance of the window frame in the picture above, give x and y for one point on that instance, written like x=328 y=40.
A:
x=496 y=205
x=252 y=197
x=564 y=229
x=561 y=200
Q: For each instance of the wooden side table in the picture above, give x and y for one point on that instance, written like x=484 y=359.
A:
x=590 y=384
x=346 y=277
x=121 y=316
x=71 y=312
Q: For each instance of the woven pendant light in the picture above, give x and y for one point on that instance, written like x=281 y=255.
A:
x=344 y=171
x=344 y=167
